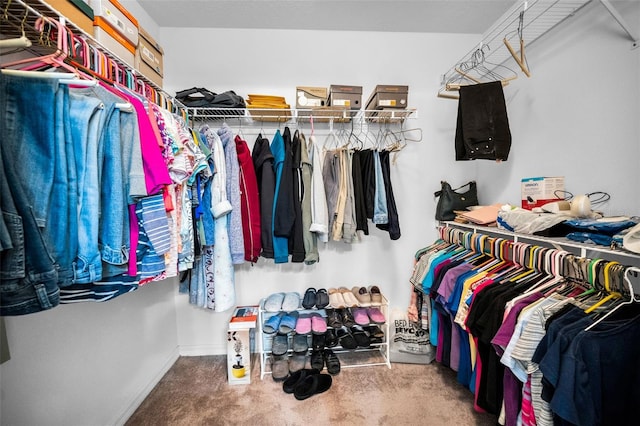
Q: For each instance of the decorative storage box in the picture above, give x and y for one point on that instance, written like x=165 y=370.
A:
x=149 y=57
x=115 y=43
x=310 y=97
x=112 y=13
x=388 y=96
x=77 y=11
x=538 y=191
x=346 y=96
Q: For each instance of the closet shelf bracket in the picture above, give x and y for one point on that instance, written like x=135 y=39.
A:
x=618 y=17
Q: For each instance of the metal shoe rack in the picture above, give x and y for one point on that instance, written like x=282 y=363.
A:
x=376 y=354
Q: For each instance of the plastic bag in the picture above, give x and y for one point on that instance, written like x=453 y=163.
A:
x=409 y=343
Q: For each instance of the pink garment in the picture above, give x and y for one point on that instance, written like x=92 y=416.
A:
x=528 y=416
x=133 y=241
x=156 y=174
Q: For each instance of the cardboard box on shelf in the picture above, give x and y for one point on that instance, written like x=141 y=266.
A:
x=347 y=96
x=244 y=317
x=310 y=97
x=538 y=191
x=114 y=14
x=76 y=11
x=388 y=96
x=149 y=57
x=114 y=42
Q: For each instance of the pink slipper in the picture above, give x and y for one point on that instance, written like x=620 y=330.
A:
x=376 y=315
x=360 y=316
x=318 y=324
x=303 y=325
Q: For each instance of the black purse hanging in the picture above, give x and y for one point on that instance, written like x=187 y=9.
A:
x=451 y=200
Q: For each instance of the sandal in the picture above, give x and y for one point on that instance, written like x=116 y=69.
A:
x=272 y=324
x=332 y=362
x=333 y=318
x=288 y=322
x=349 y=299
x=347 y=341
x=322 y=299
x=335 y=299
x=309 y=298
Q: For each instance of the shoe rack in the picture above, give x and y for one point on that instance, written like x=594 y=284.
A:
x=375 y=354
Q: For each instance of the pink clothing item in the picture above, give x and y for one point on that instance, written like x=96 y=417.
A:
x=528 y=415
x=155 y=170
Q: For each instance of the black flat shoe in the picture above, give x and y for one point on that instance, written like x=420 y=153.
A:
x=289 y=385
x=312 y=385
x=361 y=338
x=330 y=338
x=318 y=342
x=346 y=339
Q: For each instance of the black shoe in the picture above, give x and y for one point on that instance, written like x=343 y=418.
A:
x=317 y=360
x=322 y=298
x=289 y=385
x=332 y=362
x=346 y=339
x=334 y=318
x=347 y=318
x=309 y=299
x=330 y=338
x=362 y=340
x=374 y=331
x=318 y=342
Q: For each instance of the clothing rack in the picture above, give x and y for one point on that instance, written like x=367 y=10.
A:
x=19 y=23
x=540 y=258
x=523 y=24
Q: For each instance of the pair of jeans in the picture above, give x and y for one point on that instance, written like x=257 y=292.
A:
x=29 y=145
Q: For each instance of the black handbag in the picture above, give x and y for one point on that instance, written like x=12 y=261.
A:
x=450 y=200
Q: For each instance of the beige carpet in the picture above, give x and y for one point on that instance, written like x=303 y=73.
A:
x=195 y=392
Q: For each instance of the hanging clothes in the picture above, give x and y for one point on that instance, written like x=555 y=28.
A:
x=319 y=210
x=283 y=215
x=296 y=239
x=263 y=163
x=250 y=202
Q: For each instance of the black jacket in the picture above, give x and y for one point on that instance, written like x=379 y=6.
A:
x=266 y=176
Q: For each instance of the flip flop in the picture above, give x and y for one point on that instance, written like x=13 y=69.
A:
x=312 y=385
x=300 y=343
x=279 y=368
x=349 y=299
x=280 y=345
x=274 y=302
x=318 y=324
x=288 y=322
x=335 y=299
x=322 y=298
x=291 y=301
x=303 y=325
x=272 y=323
x=309 y=298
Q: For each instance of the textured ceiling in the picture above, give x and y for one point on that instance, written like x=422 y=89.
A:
x=440 y=16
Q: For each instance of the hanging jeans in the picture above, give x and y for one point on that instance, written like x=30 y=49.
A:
x=482 y=130
x=28 y=147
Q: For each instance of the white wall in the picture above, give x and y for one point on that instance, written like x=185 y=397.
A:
x=274 y=62
x=88 y=363
x=577 y=116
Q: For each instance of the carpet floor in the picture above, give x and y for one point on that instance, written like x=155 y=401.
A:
x=195 y=392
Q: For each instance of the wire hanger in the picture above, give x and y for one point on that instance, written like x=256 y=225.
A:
x=520 y=59
x=632 y=298
x=18 y=43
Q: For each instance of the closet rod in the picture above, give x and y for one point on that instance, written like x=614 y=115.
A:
x=264 y=113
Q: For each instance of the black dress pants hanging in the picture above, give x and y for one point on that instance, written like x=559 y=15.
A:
x=482 y=130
